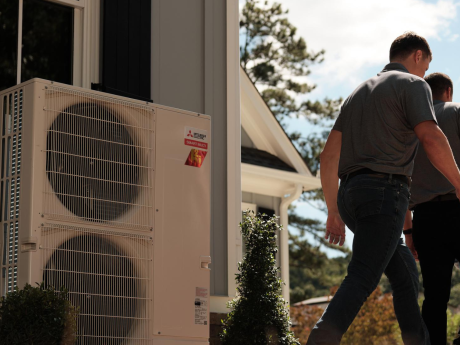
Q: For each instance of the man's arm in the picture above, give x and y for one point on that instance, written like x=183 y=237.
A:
x=408 y=238
x=438 y=150
x=408 y=220
x=335 y=228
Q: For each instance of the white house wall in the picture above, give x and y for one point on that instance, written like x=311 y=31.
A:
x=246 y=140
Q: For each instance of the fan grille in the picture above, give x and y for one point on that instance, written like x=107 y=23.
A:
x=108 y=278
x=98 y=159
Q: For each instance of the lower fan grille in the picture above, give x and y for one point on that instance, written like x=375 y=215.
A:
x=108 y=275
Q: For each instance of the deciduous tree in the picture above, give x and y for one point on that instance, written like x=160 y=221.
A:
x=375 y=323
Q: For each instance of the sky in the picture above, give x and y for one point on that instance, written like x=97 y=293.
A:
x=357 y=34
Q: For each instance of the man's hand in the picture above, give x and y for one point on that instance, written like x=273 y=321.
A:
x=410 y=244
x=335 y=229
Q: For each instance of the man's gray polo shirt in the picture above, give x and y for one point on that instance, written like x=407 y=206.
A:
x=427 y=181
x=377 y=122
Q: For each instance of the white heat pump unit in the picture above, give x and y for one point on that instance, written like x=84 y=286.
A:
x=109 y=197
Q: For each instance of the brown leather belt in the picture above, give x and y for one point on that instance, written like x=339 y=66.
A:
x=366 y=171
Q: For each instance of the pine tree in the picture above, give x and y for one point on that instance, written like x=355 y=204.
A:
x=276 y=60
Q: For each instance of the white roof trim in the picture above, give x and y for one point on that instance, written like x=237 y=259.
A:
x=263 y=129
x=316 y=300
x=274 y=182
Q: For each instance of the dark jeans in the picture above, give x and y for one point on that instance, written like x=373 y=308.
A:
x=374 y=209
x=436 y=237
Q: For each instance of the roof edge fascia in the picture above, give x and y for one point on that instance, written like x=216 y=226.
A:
x=274 y=182
x=264 y=129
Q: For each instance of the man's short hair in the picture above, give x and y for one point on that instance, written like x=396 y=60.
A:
x=439 y=83
x=408 y=43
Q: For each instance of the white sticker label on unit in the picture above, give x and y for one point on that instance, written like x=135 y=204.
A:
x=196 y=137
x=201 y=306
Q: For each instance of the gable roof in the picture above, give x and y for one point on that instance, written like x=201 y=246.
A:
x=264 y=129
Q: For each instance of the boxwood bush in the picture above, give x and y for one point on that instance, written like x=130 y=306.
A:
x=258 y=313
x=38 y=316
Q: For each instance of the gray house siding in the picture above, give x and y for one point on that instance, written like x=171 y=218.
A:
x=189 y=69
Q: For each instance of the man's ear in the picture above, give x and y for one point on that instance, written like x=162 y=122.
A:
x=418 y=56
x=449 y=93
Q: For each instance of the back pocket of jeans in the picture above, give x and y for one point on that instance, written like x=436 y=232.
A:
x=366 y=201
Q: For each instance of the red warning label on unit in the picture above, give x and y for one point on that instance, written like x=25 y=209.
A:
x=196 y=137
x=195 y=143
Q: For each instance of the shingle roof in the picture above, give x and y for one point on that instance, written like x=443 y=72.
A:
x=263 y=158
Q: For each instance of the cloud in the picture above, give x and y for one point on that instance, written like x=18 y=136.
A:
x=357 y=34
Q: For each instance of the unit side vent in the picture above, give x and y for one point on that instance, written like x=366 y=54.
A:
x=11 y=122
x=99 y=159
x=108 y=275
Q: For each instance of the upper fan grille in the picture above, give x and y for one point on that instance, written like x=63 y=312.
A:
x=98 y=158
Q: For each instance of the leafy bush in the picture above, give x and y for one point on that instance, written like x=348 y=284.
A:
x=453 y=322
x=455 y=296
x=304 y=318
x=375 y=323
x=259 y=314
x=38 y=316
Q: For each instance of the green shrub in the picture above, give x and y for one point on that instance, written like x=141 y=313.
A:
x=259 y=314
x=453 y=322
x=38 y=316
x=455 y=296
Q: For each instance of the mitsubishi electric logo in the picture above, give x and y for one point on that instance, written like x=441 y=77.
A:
x=196 y=137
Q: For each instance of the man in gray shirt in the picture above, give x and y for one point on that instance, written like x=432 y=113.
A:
x=371 y=149
x=436 y=221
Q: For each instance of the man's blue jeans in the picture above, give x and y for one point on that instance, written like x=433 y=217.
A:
x=374 y=207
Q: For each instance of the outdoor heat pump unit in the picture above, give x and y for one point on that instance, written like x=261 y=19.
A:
x=109 y=197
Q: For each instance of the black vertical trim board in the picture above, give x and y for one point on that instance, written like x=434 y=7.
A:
x=109 y=45
x=145 y=58
x=134 y=46
x=126 y=56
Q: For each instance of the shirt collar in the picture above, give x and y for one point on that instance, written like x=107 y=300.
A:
x=437 y=101
x=395 y=66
